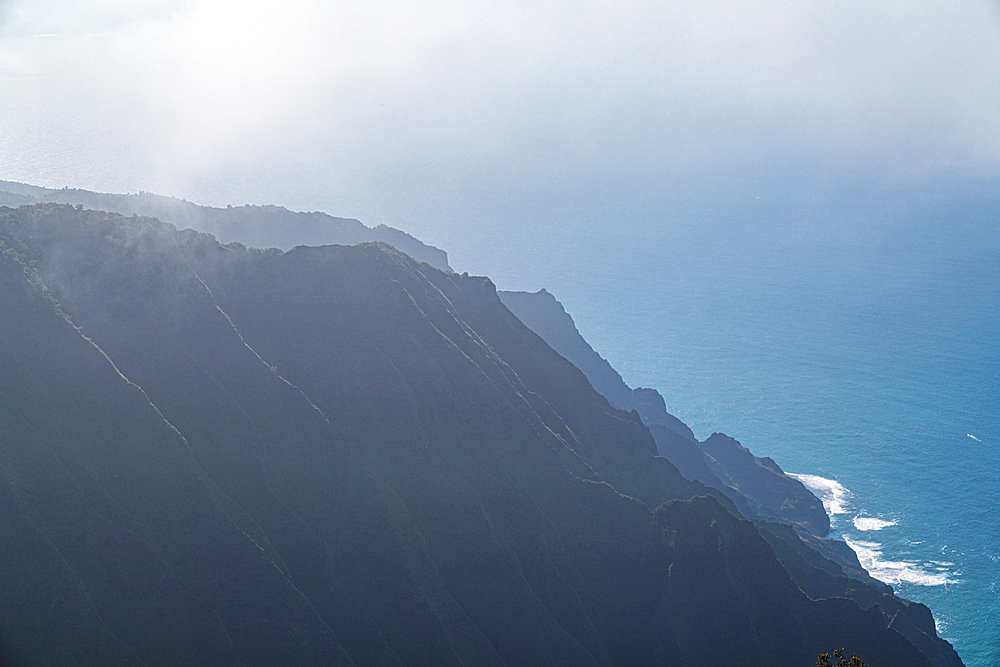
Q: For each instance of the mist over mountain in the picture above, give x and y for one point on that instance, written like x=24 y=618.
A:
x=782 y=216
x=338 y=455
x=257 y=226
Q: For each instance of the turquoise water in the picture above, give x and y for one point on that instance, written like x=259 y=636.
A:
x=860 y=347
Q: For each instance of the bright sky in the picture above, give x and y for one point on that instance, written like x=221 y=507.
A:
x=370 y=108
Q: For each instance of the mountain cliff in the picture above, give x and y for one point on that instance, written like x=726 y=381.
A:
x=218 y=455
x=257 y=226
x=757 y=486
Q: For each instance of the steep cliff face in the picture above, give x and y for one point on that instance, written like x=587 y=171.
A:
x=257 y=226
x=546 y=316
x=758 y=488
x=339 y=455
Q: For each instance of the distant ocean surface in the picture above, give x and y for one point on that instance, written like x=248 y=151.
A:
x=857 y=343
x=860 y=350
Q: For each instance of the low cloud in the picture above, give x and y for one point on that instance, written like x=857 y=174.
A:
x=365 y=101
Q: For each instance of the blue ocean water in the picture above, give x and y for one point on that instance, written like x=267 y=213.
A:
x=858 y=347
x=855 y=341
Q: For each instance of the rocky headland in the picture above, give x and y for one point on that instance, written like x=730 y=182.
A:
x=223 y=455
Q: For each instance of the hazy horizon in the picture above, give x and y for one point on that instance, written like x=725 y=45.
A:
x=445 y=119
x=785 y=216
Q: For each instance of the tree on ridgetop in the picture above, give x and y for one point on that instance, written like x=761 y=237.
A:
x=854 y=661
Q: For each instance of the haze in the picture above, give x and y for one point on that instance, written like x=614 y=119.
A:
x=454 y=118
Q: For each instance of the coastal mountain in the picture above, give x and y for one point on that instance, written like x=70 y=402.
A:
x=546 y=316
x=757 y=485
x=256 y=226
x=787 y=514
x=221 y=455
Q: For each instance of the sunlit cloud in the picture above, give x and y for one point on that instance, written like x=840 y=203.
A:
x=359 y=94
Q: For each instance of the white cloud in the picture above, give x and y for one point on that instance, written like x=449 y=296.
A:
x=390 y=90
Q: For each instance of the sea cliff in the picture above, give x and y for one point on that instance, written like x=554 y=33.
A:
x=786 y=513
x=216 y=454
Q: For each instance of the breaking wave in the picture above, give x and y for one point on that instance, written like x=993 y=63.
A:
x=871 y=523
x=895 y=572
x=836 y=500
x=831 y=492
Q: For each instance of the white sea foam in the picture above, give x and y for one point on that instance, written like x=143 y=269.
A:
x=973 y=437
x=832 y=493
x=895 y=572
x=871 y=523
x=835 y=497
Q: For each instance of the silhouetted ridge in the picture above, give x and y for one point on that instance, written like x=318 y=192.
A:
x=547 y=317
x=256 y=226
x=758 y=487
x=340 y=455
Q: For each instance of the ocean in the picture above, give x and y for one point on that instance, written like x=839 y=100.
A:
x=854 y=338
x=859 y=347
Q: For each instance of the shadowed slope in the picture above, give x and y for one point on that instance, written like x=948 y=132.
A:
x=113 y=489
x=757 y=486
x=378 y=463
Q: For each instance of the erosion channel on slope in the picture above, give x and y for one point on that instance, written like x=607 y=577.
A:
x=216 y=454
